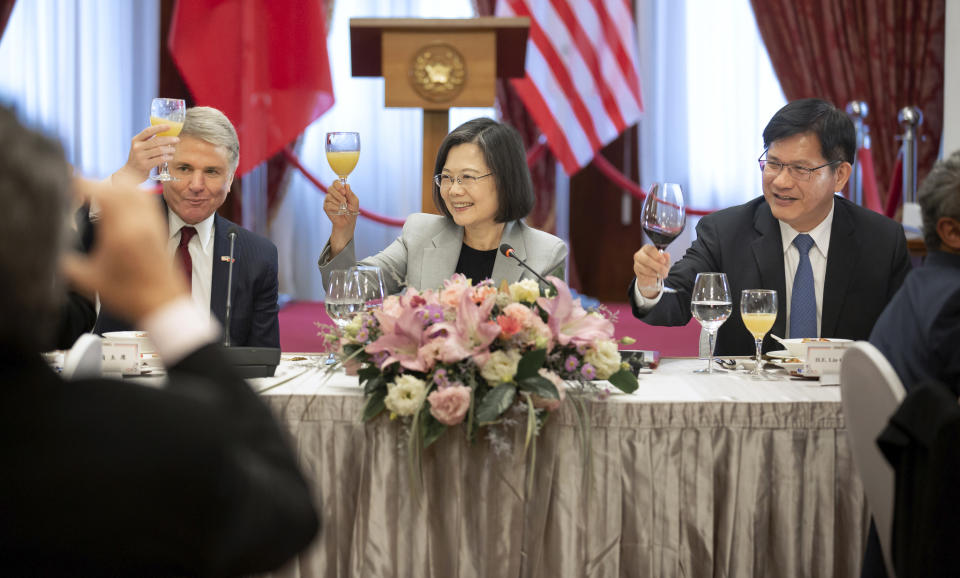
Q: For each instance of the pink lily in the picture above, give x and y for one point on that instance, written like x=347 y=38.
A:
x=569 y=322
x=470 y=334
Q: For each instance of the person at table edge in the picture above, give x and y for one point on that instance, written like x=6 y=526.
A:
x=857 y=258
x=108 y=478
x=482 y=186
x=919 y=332
x=204 y=160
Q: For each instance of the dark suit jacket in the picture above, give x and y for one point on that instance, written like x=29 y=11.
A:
x=104 y=477
x=866 y=264
x=919 y=332
x=253 y=306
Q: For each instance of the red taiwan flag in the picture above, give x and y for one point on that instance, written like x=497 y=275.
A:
x=262 y=62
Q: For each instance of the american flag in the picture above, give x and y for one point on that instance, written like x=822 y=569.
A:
x=581 y=85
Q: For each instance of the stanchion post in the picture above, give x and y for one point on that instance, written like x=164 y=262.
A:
x=857 y=110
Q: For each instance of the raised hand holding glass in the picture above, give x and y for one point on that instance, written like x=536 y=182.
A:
x=171 y=112
x=663 y=218
x=343 y=152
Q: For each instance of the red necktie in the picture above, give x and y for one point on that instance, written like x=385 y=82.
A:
x=183 y=254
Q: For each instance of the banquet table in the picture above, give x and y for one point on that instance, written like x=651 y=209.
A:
x=691 y=475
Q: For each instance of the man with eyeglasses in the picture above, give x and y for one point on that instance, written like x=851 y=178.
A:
x=834 y=265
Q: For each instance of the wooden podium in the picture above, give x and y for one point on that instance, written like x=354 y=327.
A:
x=435 y=64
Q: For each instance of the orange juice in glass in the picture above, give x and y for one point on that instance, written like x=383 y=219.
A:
x=343 y=152
x=171 y=112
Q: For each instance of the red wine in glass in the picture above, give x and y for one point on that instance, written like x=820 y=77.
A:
x=663 y=218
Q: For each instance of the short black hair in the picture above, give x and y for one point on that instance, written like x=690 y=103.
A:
x=506 y=158
x=834 y=129
x=34 y=194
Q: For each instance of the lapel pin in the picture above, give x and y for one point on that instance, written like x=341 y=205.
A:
x=226 y=259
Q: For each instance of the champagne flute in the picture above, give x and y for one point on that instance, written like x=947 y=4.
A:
x=758 y=309
x=663 y=217
x=171 y=112
x=711 y=306
x=343 y=299
x=343 y=152
x=370 y=281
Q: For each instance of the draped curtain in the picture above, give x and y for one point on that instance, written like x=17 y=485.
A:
x=6 y=6
x=888 y=53
x=84 y=72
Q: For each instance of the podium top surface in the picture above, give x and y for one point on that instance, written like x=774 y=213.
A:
x=366 y=35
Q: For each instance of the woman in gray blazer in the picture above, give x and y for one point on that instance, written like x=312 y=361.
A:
x=482 y=188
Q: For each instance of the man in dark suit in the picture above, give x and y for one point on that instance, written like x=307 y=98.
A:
x=834 y=265
x=919 y=332
x=203 y=159
x=105 y=478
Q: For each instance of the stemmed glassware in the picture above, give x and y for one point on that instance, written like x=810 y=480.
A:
x=171 y=112
x=343 y=299
x=343 y=152
x=370 y=281
x=663 y=217
x=758 y=309
x=711 y=306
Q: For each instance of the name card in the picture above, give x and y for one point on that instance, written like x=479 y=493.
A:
x=824 y=358
x=123 y=358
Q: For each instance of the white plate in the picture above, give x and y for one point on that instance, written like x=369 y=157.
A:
x=789 y=366
x=782 y=354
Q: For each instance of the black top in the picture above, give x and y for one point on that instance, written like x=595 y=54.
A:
x=476 y=265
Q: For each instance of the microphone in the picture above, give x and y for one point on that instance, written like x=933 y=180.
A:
x=226 y=319
x=508 y=251
x=247 y=361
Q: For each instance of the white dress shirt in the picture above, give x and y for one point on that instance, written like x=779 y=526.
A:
x=201 y=253
x=791 y=258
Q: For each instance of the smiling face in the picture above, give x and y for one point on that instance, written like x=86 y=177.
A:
x=204 y=175
x=802 y=204
x=475 y=204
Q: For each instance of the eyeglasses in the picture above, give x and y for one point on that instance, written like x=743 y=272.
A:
x=465 y=181
x=797 y=172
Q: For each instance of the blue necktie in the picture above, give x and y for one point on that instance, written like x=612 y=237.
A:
x=803 y=301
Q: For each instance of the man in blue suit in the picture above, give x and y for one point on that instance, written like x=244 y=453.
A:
x=919 y=332
x=203 y=160
x=834 y=265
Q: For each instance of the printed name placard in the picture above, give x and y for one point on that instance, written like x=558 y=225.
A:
x=121 y=358
x=824 y=358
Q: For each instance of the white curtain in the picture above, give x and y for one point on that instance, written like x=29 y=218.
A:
x=709 y=90
x=84 y=72
x=387 y=177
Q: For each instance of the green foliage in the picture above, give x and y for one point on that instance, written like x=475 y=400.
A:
x=494 y=403
x=624 y=380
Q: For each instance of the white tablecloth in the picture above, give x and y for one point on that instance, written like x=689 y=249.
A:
x=692 y=475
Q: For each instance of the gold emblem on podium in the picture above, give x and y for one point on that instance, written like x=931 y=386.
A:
x=438 y=72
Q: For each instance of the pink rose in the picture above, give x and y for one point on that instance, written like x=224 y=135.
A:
x=450 y=404
x=453 y=289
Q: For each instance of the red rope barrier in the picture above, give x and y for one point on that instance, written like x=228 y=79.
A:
x=611 y=172
x=293 y=160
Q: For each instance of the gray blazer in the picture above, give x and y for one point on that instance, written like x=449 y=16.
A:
x=427 y=251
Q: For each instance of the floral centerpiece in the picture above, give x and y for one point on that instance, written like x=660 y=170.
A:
x=469 y=353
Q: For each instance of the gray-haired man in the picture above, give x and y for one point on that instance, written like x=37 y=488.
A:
x=203 y=160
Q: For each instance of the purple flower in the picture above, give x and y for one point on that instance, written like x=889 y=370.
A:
x=363 y=334
x=440 y=378
x=588 y=371
x=571 y=363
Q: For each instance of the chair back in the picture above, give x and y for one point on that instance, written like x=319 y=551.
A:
x=871 y=391
x=85 y=358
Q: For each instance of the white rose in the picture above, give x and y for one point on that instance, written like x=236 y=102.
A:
x=405 y=395
x=500 y=367
x=526 y=291
x=604 y=357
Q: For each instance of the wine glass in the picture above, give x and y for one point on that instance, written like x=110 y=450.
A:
x=370 y=281
x=663 y=217
x=343 y=299
x=711 y=306
x=171 y=112
x=758 y=309
x=343 y=152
